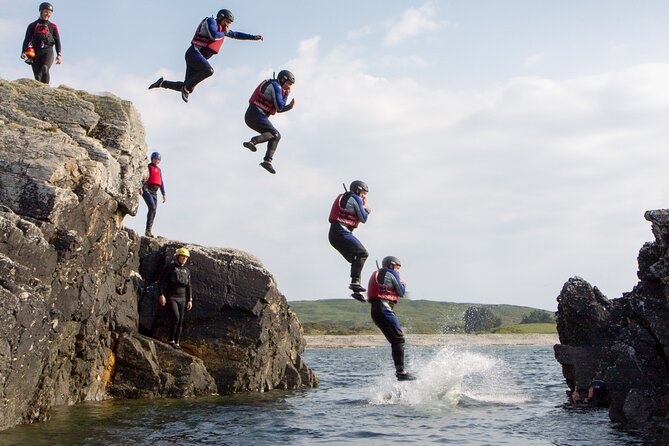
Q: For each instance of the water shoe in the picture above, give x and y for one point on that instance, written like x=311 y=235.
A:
x=268 y=167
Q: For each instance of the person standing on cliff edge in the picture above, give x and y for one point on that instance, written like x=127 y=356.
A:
x=385 y=289
x=41 y=37
x=150 y=191
x=207 y=41
x=175 y=289
x=348 y=210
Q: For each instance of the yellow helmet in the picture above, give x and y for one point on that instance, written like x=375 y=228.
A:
x=183 y=252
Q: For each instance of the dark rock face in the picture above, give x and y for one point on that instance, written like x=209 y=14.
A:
x=71 y=165
x=65 y=258
x=240 y=325
x=147 y=369
x=625 y=339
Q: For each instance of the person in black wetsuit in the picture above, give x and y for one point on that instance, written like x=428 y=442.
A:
x=175 y=289
x=348 y=210
x=268 y=98
x=207 y=41
x=385 y=289
x=41 y=37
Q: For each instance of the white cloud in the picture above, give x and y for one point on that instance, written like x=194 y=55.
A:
x=412 y=23
x=534 y=60
x=359 y=33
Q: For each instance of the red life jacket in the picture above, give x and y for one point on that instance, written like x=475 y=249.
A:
x=155 y=177
x=376 y=290
x=203 y=37
x=261 y=100
x=342 y=215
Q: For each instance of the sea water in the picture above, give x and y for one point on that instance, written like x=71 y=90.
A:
x=464 y=396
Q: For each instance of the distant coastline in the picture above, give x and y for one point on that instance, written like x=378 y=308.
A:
x=366 y=341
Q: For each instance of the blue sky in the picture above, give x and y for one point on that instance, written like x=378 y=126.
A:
x=508 y=145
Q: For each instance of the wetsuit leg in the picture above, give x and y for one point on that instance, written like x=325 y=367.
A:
x=197 y=68
x=178 y=308
x=256 y=120
x=151 y=200
x=386 y=319
x=42 y=63
x=349 y=247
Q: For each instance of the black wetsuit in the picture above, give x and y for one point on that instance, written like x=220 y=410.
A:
x=197 y=69
x=176 y=287
x=43 y=35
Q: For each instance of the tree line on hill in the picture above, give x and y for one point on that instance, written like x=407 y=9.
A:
x=478 y=318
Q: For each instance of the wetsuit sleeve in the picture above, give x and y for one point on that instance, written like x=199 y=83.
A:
x=164 y=278
x=56 y=37
x=213 y=29
x=359 y=208
x=239 y=35
x=277 y=96
x=397 y=284
x=189 y=288
x=162 y=183
x=30 y=32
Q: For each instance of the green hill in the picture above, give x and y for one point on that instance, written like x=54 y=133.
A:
x=347 y=316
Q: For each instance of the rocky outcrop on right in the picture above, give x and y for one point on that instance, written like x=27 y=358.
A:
x=625 y=340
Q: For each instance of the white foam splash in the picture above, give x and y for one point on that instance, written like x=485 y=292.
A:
x=449 y=378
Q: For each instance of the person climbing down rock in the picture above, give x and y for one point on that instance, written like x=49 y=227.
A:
x=268 y=98
x=207 y=41
x=150 y=191
x=348 y=210
x=41 y=36
x=175 y=289
x=385 y=288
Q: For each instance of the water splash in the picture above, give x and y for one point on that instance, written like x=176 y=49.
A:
x=449 y=378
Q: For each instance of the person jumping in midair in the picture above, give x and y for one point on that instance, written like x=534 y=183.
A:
x=268 y=98
x=207 y=41
x=348 y=210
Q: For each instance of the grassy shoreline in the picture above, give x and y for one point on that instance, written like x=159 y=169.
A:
x=367 y=341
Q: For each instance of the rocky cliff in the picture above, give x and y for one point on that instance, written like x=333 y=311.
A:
x=624 y=340
x=71 y=276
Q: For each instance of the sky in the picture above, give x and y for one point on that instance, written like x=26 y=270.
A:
x=507 y=145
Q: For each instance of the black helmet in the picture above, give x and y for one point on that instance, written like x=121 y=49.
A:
x=45 y=5
x=285 y=75
x=225 y=14
x=358 y=186
x=390 y=261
